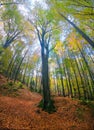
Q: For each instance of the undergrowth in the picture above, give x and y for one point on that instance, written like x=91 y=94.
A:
x=89 y=104
x=11 y=88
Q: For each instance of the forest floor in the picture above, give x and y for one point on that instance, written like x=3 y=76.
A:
x=22 y=113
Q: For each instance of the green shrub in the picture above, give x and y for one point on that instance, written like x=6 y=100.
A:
x=20 y=85
x=15 y=89
x=89 y=104
x=10 y=83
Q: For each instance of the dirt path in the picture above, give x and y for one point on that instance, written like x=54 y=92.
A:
x=22 y=113
x=18 y=113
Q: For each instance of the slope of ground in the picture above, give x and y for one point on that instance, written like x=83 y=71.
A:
x=22 y=113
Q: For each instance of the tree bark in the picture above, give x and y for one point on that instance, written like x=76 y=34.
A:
x=45 y=78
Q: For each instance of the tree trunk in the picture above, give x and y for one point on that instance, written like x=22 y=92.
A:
x=74 y=71
x=61 y=76
x=45 y=78
x=10 y=63
x=86 y=37
x=70 y=81
x=67 y=85
x=18 y=69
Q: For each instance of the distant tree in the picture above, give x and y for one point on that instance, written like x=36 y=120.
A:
x=11 y=19
x=86 y=37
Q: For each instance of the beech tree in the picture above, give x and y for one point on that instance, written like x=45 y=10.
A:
x=59 y=35
x=43 y=28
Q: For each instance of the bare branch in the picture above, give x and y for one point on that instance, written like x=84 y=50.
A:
x=10 y=3
x=11 y=39
x=39 y=35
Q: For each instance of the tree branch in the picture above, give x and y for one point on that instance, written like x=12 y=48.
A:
x=52 y=48
x=10 y=3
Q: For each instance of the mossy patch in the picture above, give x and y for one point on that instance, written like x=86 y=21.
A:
x=87 y=103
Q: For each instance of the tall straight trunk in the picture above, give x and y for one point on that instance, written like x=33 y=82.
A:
x=10 y=63
x=88 y=68
x=45 y=78
x=20 y=75
x=86 y=81
x=81 y=78
x=57 y=85
x=67 y=85
x=55 y=88
x=86 y=37
x=28 y=81
x=69 y=80
x=40 y=85
x=14 y=70
x=36 y=80
x=24 y=75
x=82 y=75
x=31 y=79
x=74 y=71
x=61 y=76
x=88 y=86
x=12 y=67
x=18 y=69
